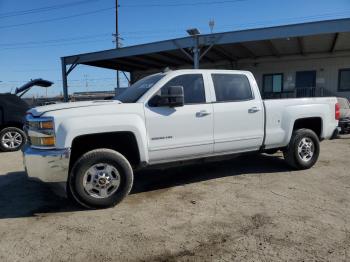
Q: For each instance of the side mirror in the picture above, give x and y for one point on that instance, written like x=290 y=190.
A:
x=173 y=96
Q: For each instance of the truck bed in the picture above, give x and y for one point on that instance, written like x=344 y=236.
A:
x=281 y=113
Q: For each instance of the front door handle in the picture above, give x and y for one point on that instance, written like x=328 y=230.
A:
x=253 y=110
x=202 y=113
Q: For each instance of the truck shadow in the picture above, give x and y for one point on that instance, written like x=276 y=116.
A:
x=154 y=179
x=20 y=197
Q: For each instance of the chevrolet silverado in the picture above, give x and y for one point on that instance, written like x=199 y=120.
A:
x=92 y=148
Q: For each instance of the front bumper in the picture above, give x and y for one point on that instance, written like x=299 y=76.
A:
x=46 y=165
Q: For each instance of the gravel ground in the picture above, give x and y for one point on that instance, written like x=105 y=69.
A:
x=245 y=209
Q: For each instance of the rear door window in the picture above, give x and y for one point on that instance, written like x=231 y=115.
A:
x=231 y=87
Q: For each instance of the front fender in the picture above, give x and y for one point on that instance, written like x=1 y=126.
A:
x=69 y=129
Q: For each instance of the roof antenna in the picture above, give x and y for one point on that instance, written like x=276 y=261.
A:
x=211 y=25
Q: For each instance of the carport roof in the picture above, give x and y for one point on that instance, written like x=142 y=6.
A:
x=305 y=38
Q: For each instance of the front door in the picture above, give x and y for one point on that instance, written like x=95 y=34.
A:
x=181 y=132
x=305 y=83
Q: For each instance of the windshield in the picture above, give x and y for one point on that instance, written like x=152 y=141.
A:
x=135 y=91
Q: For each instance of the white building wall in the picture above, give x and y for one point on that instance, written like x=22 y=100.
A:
x=326 y=66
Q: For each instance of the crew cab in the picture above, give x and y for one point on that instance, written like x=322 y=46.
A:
x=92 y=148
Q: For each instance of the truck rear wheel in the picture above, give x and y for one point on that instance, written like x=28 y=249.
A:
x=100 y=178
x=303 y=149
x=11 y=139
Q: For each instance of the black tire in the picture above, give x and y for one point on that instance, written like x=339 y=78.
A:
x=291 y=154
x=106 y=156
x=8 y=147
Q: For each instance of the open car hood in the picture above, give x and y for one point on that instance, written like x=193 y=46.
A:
x=20 y=91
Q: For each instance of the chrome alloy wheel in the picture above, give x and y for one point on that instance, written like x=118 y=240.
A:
x=101 y=180
x=306 y=149
x=11 y=140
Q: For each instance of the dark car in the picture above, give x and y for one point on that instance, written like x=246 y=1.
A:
x=12 y=112
x=344 y=120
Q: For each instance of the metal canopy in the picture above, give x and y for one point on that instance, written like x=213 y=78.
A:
x=297 y=39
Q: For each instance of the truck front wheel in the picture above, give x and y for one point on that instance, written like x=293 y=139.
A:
x=100 y=178
x=303 y=149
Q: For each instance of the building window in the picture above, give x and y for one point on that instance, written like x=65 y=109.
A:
x=344 y=80
x=273 y=83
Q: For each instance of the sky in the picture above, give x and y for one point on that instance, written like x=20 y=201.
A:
x=35 y=34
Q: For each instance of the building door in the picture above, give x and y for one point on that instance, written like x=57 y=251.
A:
x=305 y=83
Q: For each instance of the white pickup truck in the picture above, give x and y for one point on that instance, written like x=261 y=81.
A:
x=93 y=147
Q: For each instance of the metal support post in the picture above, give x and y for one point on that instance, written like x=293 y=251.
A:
x=196 y=52
x=64 y=80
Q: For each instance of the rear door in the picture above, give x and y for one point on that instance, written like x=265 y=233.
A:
x=238 y=114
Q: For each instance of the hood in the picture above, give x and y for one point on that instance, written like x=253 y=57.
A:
x=38 y=111
x=36 y=82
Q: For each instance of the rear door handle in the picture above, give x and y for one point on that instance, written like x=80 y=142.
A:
x=253 y=110
x=202 y=113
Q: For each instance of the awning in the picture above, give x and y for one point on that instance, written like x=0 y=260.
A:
x=307 y=38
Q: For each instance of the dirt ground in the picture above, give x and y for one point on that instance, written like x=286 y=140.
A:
x=246 y=209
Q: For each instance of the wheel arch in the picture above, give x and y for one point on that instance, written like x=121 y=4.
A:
x=313 y=123
x=11 y=124
x=124 y=142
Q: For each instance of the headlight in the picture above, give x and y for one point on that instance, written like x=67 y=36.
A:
x=46 y=125
x=42 y=141
x=41 y=132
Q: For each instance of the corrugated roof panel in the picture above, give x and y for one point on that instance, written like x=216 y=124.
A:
x=259 y=48
x=318 y=43
x=343 y=42
x=287 y=46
